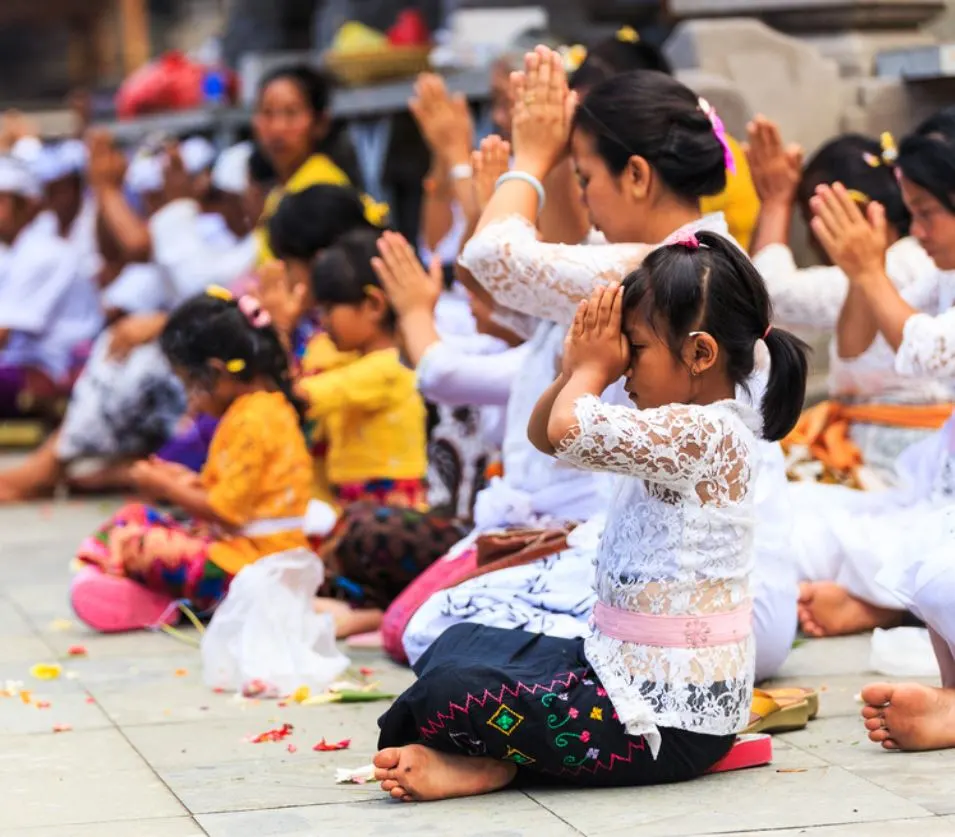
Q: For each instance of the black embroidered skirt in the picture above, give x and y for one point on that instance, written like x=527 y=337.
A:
x=534 y=700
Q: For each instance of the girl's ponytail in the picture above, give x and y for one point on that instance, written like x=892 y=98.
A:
x=786 y=389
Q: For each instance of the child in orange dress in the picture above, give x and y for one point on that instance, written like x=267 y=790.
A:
x=249 y=500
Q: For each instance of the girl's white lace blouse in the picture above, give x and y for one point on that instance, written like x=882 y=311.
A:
x=678 y=541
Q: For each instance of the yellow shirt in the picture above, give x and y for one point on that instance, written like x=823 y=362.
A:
x=374 y=419
x=316 y=170
x=258 y=469
x=738 y=201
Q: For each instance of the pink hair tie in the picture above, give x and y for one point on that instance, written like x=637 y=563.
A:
x=769 y=328
x=257 y=316
x=683 y=238
x=720 y=130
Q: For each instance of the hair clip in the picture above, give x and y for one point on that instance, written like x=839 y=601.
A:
x=573 y=57
x=683 y=238
x=890 y=152
x=218 y=292
x=720 y=130
x=769 y=328
x=257 y=316
x=375 y=213
x=628 y=35
x=235 y=366
x=858 y=197
x=871 y=160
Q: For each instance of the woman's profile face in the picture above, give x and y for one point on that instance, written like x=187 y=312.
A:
x=608 y=201
x=933 y=225
x=285 y=125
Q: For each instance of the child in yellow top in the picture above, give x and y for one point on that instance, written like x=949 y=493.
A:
x=249 y=500
x=372 y=415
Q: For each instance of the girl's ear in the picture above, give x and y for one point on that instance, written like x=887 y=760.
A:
x=375 y=301
x=322 y=126
x=700 y=352
x=637 y=177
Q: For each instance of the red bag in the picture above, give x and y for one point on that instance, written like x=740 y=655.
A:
x=171 y=82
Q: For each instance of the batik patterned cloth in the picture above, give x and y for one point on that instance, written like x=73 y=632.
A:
x=379 y=550
x=164 y=554
x=535 y=701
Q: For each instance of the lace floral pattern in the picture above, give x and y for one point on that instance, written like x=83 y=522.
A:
x=541 y=279
x=928 y=346
x=679 y=540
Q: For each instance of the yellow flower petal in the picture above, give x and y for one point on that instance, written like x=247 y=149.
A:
x=219 y=292
x=235 y=365
x=628 y=35
x=46 y=671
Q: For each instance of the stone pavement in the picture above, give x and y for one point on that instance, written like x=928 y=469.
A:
x=152 y=753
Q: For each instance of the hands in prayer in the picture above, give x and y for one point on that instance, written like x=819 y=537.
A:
x=286 y=302
x=595 y=345
x=855 y=242
x=543 y=113
x=776 y=169
x=410 y=288
x=107 y=165
x=444 y=120
x=489 y=163
x=177 y=184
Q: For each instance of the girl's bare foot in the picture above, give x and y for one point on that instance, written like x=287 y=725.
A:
x=419 y=774
x=908 y=716
x=35 y=477
x=348 y=620
x=826 y=609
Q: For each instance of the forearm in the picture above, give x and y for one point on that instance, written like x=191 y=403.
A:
x=857 y=327
x=563 y=417
x=563 y=220
x=890 y=311
x=194 y=500
x=436 y=215
x=537 y=427
x=772 y=227
x=129 y=230
x=419 y=333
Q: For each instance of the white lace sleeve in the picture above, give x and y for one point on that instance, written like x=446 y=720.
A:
x=807 y=298
x=542 y=279
x=687 y=448
x=928 y=346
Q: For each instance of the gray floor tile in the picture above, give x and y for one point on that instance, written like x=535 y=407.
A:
x=923 y=827
x=166 y=827
x=507 y=814
x=78 y=777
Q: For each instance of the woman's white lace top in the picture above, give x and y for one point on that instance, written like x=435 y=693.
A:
x=813 y=297
x=928 y=342
x=678 y=541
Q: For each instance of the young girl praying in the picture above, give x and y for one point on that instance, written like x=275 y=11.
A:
x=659 y=690
x=247 y=503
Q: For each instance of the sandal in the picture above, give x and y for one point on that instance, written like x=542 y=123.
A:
x=788 y=694
x=747 y=751
x=770 y=715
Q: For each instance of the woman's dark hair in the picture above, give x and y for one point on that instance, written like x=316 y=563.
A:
x=715 y=288
x=927 y=157
x=317 y=88
x=342 y=273
x=207 y=327
x=849 y=160
x=651 y=115
x=616 y=55
x=311 y=220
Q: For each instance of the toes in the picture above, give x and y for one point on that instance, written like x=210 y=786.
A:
x=806 y=590
x=875 y=723
x=871 y=711
x=388 y=785
x=889 y=744
x=387 y=758
x=878 y=694
x=398 y=792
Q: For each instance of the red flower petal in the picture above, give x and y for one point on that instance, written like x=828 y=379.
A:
x=325 y=747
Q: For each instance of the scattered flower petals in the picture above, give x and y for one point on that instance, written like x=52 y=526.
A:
x=364 y=671
x=258 y=689
x=42 y=704
x=325 y=747
x=91 y=699
x=61 y=625
x=182 y=672
x=283 y=704
x=301 y=694
x=355 y=775
x=791 y=770
x=62 y=728
x=26 y=696
x=77 y=651
x=292 y=748
x=219 y=690
x=273 y=734
x=46 y=671
x=71 y=675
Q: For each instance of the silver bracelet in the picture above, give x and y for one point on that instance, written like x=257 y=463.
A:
x=529 y=179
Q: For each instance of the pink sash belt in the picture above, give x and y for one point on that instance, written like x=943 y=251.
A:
x=674 y=631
